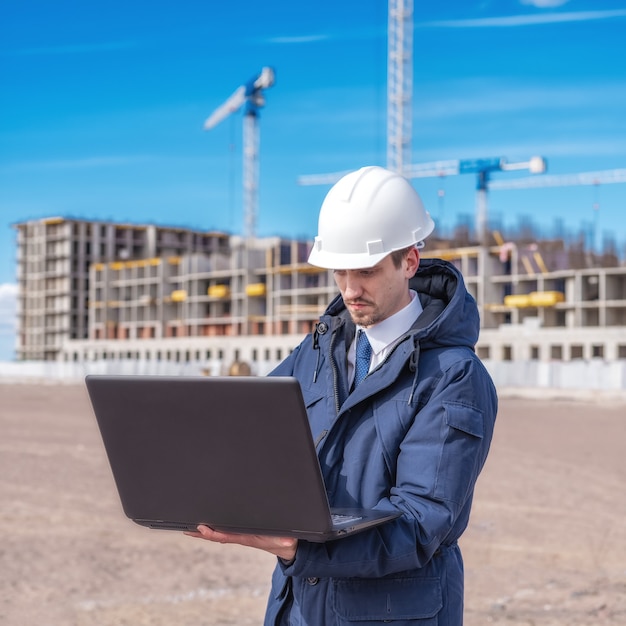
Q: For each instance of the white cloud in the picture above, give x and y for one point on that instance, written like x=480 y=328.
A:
x=544 y=4
x=526 y=20
x=298 y=39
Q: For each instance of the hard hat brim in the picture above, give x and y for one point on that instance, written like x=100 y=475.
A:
x=339 y=261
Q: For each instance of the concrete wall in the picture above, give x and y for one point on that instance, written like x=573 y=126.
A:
x=594 y=375
x=572 y=376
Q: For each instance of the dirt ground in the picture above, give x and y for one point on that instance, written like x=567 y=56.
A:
x=546 y=543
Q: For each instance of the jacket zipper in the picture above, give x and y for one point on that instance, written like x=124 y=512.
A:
x=333 y=365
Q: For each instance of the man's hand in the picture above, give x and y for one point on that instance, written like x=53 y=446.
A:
x=283 y=547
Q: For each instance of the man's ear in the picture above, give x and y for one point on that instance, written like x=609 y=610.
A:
x=412 y=262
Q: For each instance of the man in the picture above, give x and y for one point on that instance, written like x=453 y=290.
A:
x=413 y=435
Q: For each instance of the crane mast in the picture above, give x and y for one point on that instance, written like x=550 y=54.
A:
x=399 y=84
x=250 y=173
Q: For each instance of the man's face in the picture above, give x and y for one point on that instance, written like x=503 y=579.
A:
x=373 y=294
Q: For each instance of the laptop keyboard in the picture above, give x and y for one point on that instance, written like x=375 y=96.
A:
x=339 y=519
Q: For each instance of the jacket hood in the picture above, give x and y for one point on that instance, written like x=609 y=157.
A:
x=450 y=316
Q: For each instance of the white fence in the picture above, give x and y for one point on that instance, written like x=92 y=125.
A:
x=564 y=376
x=574 y=376
x=73 y=372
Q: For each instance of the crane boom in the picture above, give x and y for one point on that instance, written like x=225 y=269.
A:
x=416 y=170
x=562 y=180
x=223 y=111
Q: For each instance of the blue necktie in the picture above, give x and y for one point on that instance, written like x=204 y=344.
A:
x=363 y=356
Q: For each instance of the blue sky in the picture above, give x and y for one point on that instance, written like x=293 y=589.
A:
x=103 y=105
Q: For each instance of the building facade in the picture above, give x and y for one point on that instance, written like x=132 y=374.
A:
x=96 y=291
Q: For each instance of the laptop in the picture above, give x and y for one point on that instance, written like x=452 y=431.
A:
x=234 y=453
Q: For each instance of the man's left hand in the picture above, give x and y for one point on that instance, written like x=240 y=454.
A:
x=282 y=547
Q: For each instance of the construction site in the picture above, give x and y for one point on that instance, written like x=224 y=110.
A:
x=108 y=296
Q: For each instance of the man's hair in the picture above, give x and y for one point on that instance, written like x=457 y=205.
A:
x=397 y=256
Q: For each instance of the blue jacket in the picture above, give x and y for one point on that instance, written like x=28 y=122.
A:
x=412 y=437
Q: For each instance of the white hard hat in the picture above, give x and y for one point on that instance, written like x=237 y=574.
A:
x=367 y=215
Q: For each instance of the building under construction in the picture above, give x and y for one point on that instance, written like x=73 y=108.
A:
x=95 y=291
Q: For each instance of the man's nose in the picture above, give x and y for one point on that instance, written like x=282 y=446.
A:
x=353 y=287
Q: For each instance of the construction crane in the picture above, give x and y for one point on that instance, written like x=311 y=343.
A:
x=250 y=94
x=399 y=84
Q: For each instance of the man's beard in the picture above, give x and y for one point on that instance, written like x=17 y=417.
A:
x=364 y=319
